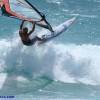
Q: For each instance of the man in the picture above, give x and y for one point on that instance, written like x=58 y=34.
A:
x=24 y=34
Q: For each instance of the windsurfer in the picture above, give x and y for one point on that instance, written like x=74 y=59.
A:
x=24 y=35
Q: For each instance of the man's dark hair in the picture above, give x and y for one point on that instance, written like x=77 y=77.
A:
x=25 y=29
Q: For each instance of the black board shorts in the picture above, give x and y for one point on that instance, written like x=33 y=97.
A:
x=28 y=43
x=32 y=41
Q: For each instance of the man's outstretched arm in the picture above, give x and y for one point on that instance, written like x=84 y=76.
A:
x=33 y=28
x=21 y=26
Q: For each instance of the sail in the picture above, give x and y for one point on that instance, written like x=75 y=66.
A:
x=24 y=10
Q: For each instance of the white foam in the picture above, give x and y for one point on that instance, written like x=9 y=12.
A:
x=80 y=62
x=22 y=79
x=2 y=79
x=63 y=62
x=55 y=1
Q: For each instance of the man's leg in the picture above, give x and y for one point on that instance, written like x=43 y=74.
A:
x=33 y=40
x=36 y=38
x=41 y=39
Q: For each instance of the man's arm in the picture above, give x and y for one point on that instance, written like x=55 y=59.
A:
x=33 y=28
x=21 y=26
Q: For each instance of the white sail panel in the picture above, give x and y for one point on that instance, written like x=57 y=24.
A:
x=23 y=8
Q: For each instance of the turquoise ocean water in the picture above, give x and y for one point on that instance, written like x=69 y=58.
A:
x=66 y=68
